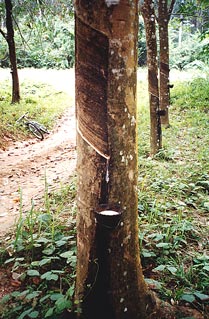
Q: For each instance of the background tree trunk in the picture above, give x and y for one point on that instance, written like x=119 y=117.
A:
x=148 y=13
x=12 y=52
x=164 y=15
x=164 y=61
x=110 y=282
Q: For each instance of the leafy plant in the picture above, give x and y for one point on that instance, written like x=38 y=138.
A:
x=173 y=198
x=44 y=35
x=42 y=261
x=173 y=212
x=193 y=96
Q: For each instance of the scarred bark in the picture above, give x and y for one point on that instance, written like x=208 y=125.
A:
x=163 y=20
x=110 y=282
x=164 y=60
x=12 y=52
x=148 y=14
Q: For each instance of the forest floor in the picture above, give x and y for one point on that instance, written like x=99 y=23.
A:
x=27 y=166
x=31 y=168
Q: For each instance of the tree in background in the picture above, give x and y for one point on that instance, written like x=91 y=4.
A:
x=189 y=34
x=189 y=41
x=142 y=51
x=110 y=282
x=148 y=13
x=164 y=15
x=9 y=37
x=44 y=34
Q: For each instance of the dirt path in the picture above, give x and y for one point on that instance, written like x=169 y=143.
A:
x=25 y=165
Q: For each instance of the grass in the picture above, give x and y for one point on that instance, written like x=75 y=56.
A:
x=174 y=199
x=43 y=103
x=41 y=257
x=173 y=190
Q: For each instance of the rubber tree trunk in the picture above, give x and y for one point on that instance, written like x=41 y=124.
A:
x=12 y=52
x=163 y=20
x=147 y=10
x=110 y=282
x=164 y=15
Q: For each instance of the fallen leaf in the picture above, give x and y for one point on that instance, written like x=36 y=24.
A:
x=16 y=200
x=15 y=283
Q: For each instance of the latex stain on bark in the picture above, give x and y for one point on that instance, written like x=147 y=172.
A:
x=91 y=77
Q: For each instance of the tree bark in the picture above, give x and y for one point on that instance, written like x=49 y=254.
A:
x=110 y=282
x=164 y=14
x=12 y=52
x=148 y=14
x=163 y=20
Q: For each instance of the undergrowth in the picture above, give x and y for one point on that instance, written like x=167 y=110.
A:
x=41 y=259
x=42 y=102
x=174 y=199
x=173 y=190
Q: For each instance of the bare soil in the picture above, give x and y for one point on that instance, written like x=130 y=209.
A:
x=26 y=165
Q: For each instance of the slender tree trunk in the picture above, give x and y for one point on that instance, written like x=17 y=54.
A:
x=164 y=14
x=148 y=14
x=163 y=20
x=12 y=52
x=180 y=31
x=110 y=282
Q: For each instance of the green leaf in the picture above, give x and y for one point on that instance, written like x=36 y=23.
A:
x=202 y=258
x=159 y=268
x=49 y=312
x=9 y=260
x=23 y=293
x=35 y=263
x=206 y=268
x=19 y=259
x=43 y=240
x=147 y=254
x=62 y=304
x=154 y=283
x=44 y=261
x=33 y=294
x=178 y=239
x=15 y=294
x=44 y=298
x=49 y=276
x=163 y=245
x=5 y=299
x=33 y=314
x=66 y=238
x=166 y=225
x=188 y=297
x=33 y=273
x=173 y=270
x=58 y=271
x=206 y=205
x=72 y=261
x=201 y=296
x=25 y=313
x=56 y=296
x=70 y=291
x=158 y=237
x=60 y=243
x=49 y=251
x=67 y=254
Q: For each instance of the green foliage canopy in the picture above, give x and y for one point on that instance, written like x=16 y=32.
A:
x=44 y=33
